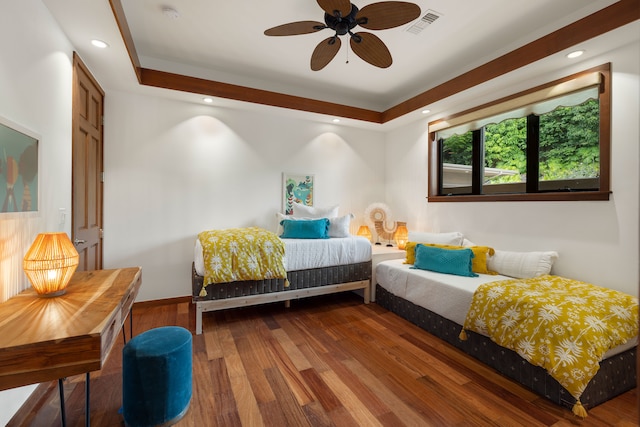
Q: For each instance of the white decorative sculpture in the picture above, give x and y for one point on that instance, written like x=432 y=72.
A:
x=377 y=215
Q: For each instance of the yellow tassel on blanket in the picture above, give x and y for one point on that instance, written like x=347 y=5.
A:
x=203 y=292
x=579 y=410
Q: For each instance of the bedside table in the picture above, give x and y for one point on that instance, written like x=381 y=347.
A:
x=381 y=253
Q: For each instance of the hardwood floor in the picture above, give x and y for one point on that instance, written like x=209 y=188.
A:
x=325 y=361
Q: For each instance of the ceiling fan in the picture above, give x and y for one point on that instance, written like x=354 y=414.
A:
x=342 y=17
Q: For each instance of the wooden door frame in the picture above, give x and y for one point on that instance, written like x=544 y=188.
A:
x=79 y=64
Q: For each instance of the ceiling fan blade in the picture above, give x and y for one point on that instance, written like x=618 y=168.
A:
x=330 y=6
x=387 y=14
x=324 y=53
x=295 y=28
x=371 y=49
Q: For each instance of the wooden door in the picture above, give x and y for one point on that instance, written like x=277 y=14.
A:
x=87 y=177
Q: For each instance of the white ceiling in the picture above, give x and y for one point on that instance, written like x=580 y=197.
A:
x=224 y=41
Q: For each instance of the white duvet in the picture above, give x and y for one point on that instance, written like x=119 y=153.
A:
x=447 y=295
x=302 y=254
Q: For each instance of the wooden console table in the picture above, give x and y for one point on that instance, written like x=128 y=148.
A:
x=44 y=339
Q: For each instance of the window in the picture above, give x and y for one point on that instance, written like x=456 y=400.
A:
x=549 y=143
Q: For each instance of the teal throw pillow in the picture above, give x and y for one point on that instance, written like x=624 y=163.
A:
x=305 y=228
x=448 y=261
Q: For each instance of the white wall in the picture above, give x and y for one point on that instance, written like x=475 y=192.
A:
x=35 y=93
x=174 y=169
x=597 y=241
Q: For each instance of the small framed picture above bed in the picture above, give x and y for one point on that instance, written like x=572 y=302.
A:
x=296 y=188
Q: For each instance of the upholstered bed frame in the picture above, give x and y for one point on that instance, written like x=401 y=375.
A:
x=302 y=283
x=617 y=374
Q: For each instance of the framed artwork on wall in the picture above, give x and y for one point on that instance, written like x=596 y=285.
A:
x=18 y=168
x=296 y=188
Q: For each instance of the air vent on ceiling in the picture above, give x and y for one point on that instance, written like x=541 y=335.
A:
x=429 y=18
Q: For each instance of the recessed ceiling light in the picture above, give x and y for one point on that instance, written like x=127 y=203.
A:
x=336 y=120
x=207 y=100
x=575 y=54
x=99 y=43
x=426 y=111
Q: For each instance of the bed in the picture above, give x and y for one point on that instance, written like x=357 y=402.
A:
x=314 y=266
x=441 y=303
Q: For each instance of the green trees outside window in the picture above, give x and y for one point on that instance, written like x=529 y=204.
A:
x=555 y=145
x=565 y=140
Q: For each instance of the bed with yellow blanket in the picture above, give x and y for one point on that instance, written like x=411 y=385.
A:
x=563 y=325
x=237 y=267
x=228 y=260
x=571 y=342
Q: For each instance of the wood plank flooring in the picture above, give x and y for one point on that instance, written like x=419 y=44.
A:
x=326 y=361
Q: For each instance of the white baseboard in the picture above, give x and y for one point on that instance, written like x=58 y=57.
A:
x=11 y=400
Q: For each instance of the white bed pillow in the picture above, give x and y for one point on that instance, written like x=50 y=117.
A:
x=303 y=211
x=522 y=265
x=452 y=238
x=339 y=226
x=466 y=242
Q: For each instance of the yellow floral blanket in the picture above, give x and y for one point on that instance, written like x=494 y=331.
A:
x=238 y=254
x=560 y=324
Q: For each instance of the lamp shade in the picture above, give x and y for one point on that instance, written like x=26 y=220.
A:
x=364 y=232
x=50 y=262
x=402 y=235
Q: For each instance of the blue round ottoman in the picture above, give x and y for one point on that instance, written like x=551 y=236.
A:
x=157 y=377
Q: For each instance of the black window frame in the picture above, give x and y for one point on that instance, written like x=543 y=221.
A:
x=436 y=170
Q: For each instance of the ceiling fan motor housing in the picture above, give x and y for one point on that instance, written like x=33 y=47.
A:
x=342 y=24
